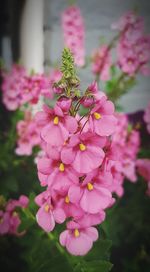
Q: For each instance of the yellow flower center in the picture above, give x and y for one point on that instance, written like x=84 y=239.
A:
x=97 y=115
x=82 y=147
x=67 y=200
x=56 y=120
x=15 y=214
x=90 y=186
x=61 y=167
x=47 y=208
x=76 y=233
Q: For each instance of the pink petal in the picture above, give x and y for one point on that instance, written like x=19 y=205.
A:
x=59 y=215
x=108 y=108
x=96 y=200
x=92 y=233
x=52 y=152
x=44 y=166
x=67 y=155
x=71 y=124
x=74 y=194
x=54 y=135
x=79 y=246
x=45 y=219
x=63 y=237
x=105 y=126
x=86 y=161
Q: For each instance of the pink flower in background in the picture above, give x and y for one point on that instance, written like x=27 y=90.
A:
x=74 y=33
x=131 y=20
x=101 y=62
x=28 y=135
x=12 y=85
x=143 y=168
x=132 y=43
x=78 y=239
x=9 y=218
x=20 y=88
x=147 y=117
x=34 y=86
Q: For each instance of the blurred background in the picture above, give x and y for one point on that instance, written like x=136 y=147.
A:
x=31 y=31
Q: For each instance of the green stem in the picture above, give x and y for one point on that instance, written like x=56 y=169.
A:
x=52 y=238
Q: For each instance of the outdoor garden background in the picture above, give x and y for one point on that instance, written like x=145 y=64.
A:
x=109 y=53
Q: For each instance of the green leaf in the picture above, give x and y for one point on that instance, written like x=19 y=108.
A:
x=100 y=250
x=98 y=266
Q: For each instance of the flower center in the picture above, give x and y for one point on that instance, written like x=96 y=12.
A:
x=67 y=200
x=90 y=186
x=97 y=115
x=47 y=208
x=15 y=214
x=76 y=233
x=82 y=147
x=56 y=120
x=61 y=167
x=1 y=220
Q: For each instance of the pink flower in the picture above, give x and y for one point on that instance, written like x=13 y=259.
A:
x=91 y=195
x=71 y=209
x=101 y=62
x=78 y=239
x=132 y=43
x=73 y=31
x=22 y=202
x=126 y=145
x=129 y=20
x=57 y=126
x=56 y=174
x=147 y=117
x=28 y=135
x=143 y=168
x=12 y=85
x=102 y=120
x=9 y=218
x=84 y=152
x=48 y=212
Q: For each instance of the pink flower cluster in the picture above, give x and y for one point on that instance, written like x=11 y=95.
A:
x=9 y=217
x=143 y=168
x=147 y=117
x=74 y=33
x=101 y=62
x=28 y=135
x=125 y=147
x=20 y=88
x=74 y=170
x=133 y=42
x=12 y=86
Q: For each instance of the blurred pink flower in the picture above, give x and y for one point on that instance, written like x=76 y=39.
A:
x=74 y=33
